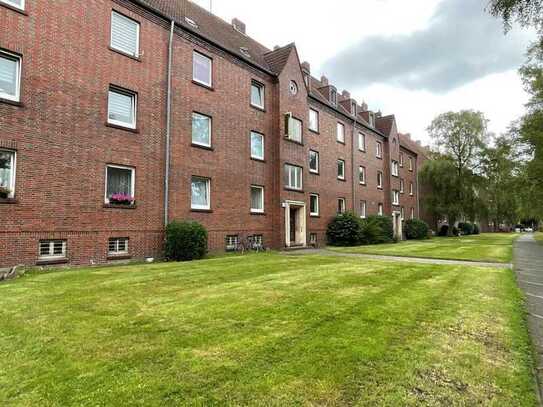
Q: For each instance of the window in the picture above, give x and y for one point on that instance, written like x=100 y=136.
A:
x=313 y=120
x=118 y=246
x=395 y=168
x=313 y=205
x=412 y=213
x=125 y=34
x=379 y=179
x=402 y=213
x=363 y=209
x=341 y=205
x=313 y=162
x=361 y=141
x=52 y=249
x=362 y=175
x=200 y=193
x=202 y=69
x=333 y=96
x=293 y=88
x=378 y=149
x=120 y=183
x=395 y=197
x=232 y=242
x=353 y=108
x=10 y=76
x=293 y=177
x=257 y=146
x=401 y=159
x=258 y=240
x=257 y=95
x=122 y=108
x=20 y=4
x=380 y=209
x=402 y=185
x=257 y=199
x=410 y=162
x=411 y=188
x=340 y=133
x=7 y=172
x=340 y=169
x=313 y=239
x=293 y=129
x=371 y=119
x=201 y=130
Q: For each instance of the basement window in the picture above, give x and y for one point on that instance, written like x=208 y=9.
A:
x=118 y=246
x=52 y=249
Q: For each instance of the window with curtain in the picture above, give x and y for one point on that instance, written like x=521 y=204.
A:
x=7 y=172
x=361 y=175
x=122 y=108
x=257 y=146
x=257 y=199
x=257 y=94
x=293 y=177
x=120 y=184
x=202 y=69
x=313 y=120
x=361 y=142
x=124 y=34
x=200 y=193
x=294 y=129
x=10 y=72
x=313 y=161
x=340 y=133
x=201 y=130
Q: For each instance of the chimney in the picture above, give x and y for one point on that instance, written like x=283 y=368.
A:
x=364 y=106
x=276 y=47
x=346 y=94
x=238 y=25
x=324 y=80
x=306 y=67
x=378 y=114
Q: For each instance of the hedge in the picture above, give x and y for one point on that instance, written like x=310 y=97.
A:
x=185 y=240
x=349 y=230
x=416 y=229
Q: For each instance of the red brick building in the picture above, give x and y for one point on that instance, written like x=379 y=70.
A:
x=119 y=116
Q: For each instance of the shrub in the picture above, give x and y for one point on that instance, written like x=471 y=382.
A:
x=385 y=227
x=370 y=232
x=416 y=229
x=466 y=228
x=455 y=231
x=344 y=230
x=185 y=241
x=476 y=229
x=443 y=230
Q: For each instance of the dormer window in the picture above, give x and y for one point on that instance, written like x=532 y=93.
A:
x=333 y=97
x=353 y=108
x=372 y=119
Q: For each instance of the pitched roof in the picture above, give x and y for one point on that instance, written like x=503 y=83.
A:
x=384 y=124
x=212 y=28
x=278 y=58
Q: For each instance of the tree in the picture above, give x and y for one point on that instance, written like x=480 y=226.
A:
x=529 y=13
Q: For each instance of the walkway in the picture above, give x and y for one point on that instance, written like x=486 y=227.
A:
x=529 y=270
x=325 y=252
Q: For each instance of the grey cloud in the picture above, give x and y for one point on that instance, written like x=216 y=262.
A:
x=460 y=44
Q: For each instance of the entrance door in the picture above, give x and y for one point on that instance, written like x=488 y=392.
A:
x=293 y=216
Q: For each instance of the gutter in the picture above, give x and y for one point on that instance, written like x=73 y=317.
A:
x=168 y=129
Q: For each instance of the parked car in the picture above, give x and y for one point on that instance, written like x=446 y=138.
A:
x=529 y=230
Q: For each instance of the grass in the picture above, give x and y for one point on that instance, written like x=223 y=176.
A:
x=486 y=247
x=539 y=237
x=265 y=330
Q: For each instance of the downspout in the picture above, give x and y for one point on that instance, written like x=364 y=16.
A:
x=353 y=184
x=418 y=191
x=168 y=129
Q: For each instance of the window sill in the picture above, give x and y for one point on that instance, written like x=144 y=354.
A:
x=117 y=51
x=342 y=179
x=362 y=150
x=208 y=148
x=314 y=131
x=203 y=85
x=380 y=188
x=340 y=142
x=119 y=257
x=52 y=262
x=258 y=213
x=116 y=126
x=8 y=201
x=379 y=158
x=18 y=10
x=363 y=184
x=11 y=102
x=260 y=160
x=259 y=108
x=314 y=216
x=314 y=172
x=120 y=206
x=287 y=138
x=301 y=191
x=201 y=210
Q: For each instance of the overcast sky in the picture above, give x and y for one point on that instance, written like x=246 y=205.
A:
x=414 y=58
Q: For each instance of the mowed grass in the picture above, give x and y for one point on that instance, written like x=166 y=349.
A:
x=486 y=247
x=265 y=329
x=539 y=237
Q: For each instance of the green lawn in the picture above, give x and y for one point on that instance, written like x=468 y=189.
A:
x=488 y=247
x=539 y=237
x=265 y=330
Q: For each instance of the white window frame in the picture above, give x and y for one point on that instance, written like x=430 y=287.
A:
x=410 y=161
x=125 y=92
x=402 y=185
x=333 y=97
x=12 y=180
x=291 y=178
x=137 y=53
x=361 y=141
x=259 y=85
x=362 y=171
x=316 y=113
x=311 y=170
x=395 y=169
x=342 y=205
x=263 y=145
x=402 y=213
x=395 y=197
x=411 y=189
x=342 y=175
x=371 y=119
x=210 y=119
x=340 y=133
x=208 y=193
x=412 y=213
x=116 y=241
x=317 y=197
x=363 y=209
x=290 y=126
x=231 y=242
x=51 y=243
x=209 y=83
x=11 y=3
x=378 y=149
x=401 y=160
x=380 y=209
x=132 y=180
x=257 y=210
x=380 y=179
x=19 y=61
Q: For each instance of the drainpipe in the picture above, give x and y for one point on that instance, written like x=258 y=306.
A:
x=168 y=129
x=353 y=184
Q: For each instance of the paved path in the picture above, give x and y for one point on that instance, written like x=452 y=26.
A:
x=528 y=260
x=325 y=252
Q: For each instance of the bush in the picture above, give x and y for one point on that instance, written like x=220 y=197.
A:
x=370 y=232
x=476 y=229
x=416 y=229
x=185 y=241
x=379 y=229
x=466 y=228
x=344 y=230
x=443 y=230
x=455 y=231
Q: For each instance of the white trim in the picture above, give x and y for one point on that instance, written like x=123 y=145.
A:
x=342 y=132
x=251 y=146
x=343 y=205
x=362 y=170
x=342 y=176
x=363 y=209
x=361 y=146
x=134 y=104
x=116 y=240
x=378 y=149
x=380 y=179
x=290 y=178
x=208 y=193
x=210 y=120
x=318 y=119
x=380 y=209
x=13 y=4
x=19 y=62
x=313 y=171
x=137 y=53
x=261 y=86
x=12 y=181
x=261 y=188
x=318 y=205
x=210 y=77
x=51 y=249
x=132 y=180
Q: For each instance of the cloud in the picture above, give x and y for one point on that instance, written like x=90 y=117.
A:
x=460 y=44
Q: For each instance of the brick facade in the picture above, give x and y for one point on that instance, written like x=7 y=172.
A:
x=62 y=141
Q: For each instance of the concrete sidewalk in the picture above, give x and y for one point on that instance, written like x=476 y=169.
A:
x=528 y=261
